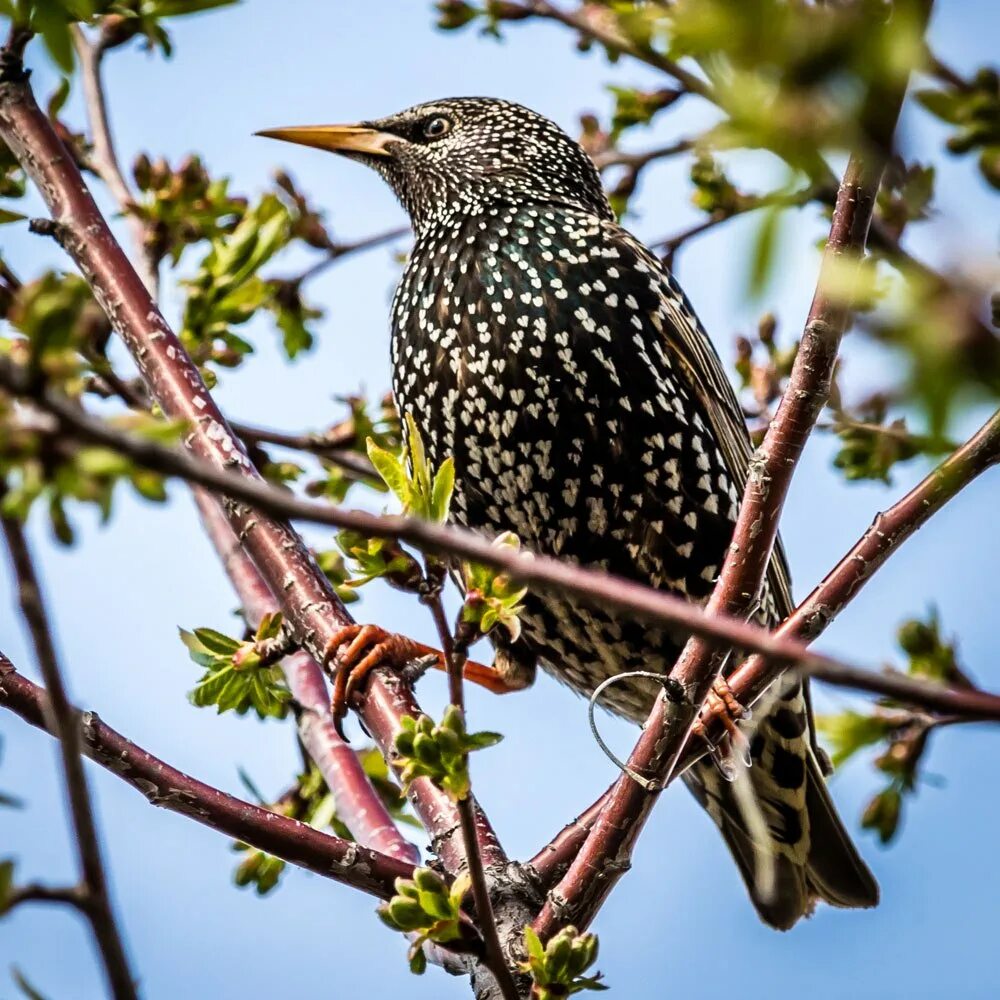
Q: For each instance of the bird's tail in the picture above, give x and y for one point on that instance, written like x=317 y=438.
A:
x=800 y=853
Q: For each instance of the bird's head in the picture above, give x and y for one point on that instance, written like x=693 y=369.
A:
x=461 y=154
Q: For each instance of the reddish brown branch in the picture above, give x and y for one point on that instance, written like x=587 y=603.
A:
x=887 y=532
x=539 y=572
x=551 y=862
x=297 y=843
x=358 y=805
x=603 y=858
x=811 y=618
x=311 y=607
x=63 y=722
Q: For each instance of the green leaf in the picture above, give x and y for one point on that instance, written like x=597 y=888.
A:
x=6 y=217
x=850 y=732
x=217 y=642
x=390 y=468
x=883 y=813
x=765 y=250
x=58 y=100
x=444 y=484
x=50 y=21
x=533 y=944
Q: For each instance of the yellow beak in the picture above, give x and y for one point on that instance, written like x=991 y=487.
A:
x=336 y=138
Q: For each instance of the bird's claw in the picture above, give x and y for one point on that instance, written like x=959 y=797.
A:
x=721 y=703
x=354 y=652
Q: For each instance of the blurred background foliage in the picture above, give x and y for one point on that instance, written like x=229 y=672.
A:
x=795 y=84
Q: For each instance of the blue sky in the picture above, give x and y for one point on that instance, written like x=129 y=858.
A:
x=120 y=594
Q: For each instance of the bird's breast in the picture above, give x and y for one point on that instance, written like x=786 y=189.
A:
x=528 y=346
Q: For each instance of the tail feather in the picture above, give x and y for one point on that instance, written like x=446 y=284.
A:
x=836 y=872
x=812 y=855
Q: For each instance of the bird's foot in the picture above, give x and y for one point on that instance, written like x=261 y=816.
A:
x=722 y=704
x=356 y=650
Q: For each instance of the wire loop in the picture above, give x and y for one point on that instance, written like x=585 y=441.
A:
x=670 y=686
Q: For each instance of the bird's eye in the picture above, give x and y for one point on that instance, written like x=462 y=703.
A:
x=435 y=128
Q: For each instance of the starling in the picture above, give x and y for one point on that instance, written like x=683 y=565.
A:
x=559 y=363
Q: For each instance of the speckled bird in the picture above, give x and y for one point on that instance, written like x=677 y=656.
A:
x=558 y=361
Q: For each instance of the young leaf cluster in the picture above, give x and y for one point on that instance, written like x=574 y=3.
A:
x=380 y=425
x=871 y=443
x=119 y=21
x=973 y=108
x=440 y=752
x=310 y=801
x=238 y=675
x=557 y=968
x=40 y=467
x=902 y=734
x=422 y=491
x=182 y=205
x=228 y=289
x=374 y=558
x=429 y=908
x=492 y=599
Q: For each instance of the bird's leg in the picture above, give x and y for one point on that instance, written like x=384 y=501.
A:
x=515 y=663
x=356 y=650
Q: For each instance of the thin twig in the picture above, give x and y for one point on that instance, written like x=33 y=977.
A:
x=591 y=22
x=637 y=161
x=332 y=445
x=64 y=723
x=541 y=573
x=340 y=250
x=455 y=662
x=297 y=843
x=103 y=159
x=669 y=245
x=32 y=892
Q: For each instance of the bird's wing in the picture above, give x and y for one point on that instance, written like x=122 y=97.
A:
x=690 y=345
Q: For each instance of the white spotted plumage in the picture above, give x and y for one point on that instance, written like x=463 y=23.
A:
x=553 y=357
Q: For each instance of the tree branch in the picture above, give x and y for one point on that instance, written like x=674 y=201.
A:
x=542 y=573
x=297 y=843
x=63 y=723
x=888 y=531
x=70 y=895
x=603 y=857
x=337 y=251
x=811 y=618
x=358 y=805
x=103 y=159
x=309 y=603
x=592 y=23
